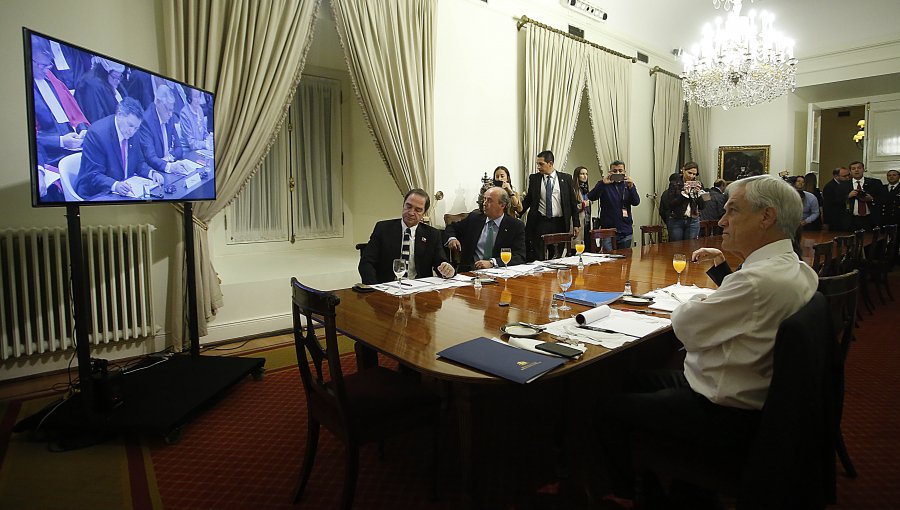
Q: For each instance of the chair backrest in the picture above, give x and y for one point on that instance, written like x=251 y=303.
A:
x=361 y=247
x=68 y=174
x=325 y=393
x=596 y=245
x=842 y=295
x=844 y=252
x=877 y=249
x=651 y=234
x=452 y=255
x=562 y=240
x=709 y=228
x=891 y=244
x=822 y=258
x=453 y=218
x=792 y=461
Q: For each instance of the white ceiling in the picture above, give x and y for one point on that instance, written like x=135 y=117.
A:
x=818 y=27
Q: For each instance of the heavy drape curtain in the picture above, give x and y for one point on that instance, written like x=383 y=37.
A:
x=608 y=86
x=389 y=49
x=668 y=111
x=251 y=54
x=698 y=130
x=554 y=81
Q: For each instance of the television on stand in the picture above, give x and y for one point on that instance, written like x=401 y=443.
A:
x=104 y=131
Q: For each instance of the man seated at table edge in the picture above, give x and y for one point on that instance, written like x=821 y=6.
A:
x=386 y=244
x=729 y=336
x=510 y=233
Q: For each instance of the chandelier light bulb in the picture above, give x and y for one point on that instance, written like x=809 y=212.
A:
x=740 y=61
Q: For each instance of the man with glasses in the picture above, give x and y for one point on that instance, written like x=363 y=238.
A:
x=617 y=194
x=834 y=203
x=158 y=137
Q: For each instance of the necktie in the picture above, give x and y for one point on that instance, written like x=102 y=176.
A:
x=863 y=210
x=891 y=189
x=489 y=241
x=404 y=250
x=548 y=198
x=124 y=158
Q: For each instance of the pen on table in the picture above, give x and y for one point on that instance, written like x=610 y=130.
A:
x=651 y=312
x=404 y=283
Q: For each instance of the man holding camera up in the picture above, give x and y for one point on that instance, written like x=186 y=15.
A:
x=617 y=194
x=862 y=195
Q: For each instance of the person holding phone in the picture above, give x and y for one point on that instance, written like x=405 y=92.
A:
x=617 y=194
x=503 y=180
x=681 y=203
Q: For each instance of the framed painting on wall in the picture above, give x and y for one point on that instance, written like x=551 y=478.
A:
x=739 y=161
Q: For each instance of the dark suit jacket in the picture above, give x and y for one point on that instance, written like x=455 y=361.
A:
x=49 y=130
x=890 y=206
x=834 y=205
x=101 y=159
x=566 y=197
x=96 y=96
x=511 y=235
x=151 y=139
x=871 y=186
x=376 y=263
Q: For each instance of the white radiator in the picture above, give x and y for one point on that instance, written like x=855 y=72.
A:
x=36 y=310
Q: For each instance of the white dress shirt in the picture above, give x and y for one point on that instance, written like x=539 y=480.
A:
x=729 y=336
x=557 y=204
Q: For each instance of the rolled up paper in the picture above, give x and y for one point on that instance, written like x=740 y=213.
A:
x=593 y=315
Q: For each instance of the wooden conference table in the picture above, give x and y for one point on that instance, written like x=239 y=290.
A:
x=412 y=329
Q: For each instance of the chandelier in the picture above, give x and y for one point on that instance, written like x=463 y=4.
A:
x=742 y=61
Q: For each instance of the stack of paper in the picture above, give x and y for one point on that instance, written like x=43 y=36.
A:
x=671 y=297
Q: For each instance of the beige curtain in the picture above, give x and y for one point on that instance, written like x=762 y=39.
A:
x=389 y=49
x=250 y=53
x=668 y=111
x=608 y=86
x=554 y=81
x=701 y=152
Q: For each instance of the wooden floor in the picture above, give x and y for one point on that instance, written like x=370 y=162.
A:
x=58 y=382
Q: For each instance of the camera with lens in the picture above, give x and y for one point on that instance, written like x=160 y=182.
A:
x=498 y=183
x=616 y=177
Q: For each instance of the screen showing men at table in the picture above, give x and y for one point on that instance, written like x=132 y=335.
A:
x=106 y=131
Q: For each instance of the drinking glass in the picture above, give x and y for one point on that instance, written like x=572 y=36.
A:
x=679 y=263
x=564 y=276
x=505 y=256
x=579 y=249
x=400 y=267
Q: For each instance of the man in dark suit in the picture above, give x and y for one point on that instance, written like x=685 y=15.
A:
x=890 y=204
x=424 y=249
x=111 y=155
x=481 y=236
x=863 y=197
x=158 y=137
x=550 y=202
x=834 y=201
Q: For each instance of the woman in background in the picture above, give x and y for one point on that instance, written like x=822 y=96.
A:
x=680 y=205
x=194 y=135
x=501 y=174
x=580 y=177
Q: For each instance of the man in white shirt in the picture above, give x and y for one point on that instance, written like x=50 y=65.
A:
x=728 y=337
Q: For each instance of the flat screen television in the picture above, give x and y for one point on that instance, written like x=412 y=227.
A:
x=103 y=131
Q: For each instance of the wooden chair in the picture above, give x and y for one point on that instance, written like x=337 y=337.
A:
x=822 y=258
x=844 y=251
x=651 y=232
x=361 y=247
x=449 y=219
x=597 y=236
x=709 y=228
x=359 y=408
x=790 y=463
x=556 y=245
x=859 y=262
x=881 y=261
x=842 y=293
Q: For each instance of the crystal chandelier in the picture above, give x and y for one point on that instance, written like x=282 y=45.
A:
x=743 y=61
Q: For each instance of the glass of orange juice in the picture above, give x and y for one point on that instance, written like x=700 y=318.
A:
x=579 y=249
x=679 y=263
x=505 y=256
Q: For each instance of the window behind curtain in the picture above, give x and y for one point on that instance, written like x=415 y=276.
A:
x=297 y=191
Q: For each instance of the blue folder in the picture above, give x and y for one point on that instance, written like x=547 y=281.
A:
x=517 y=365
x=589 y=297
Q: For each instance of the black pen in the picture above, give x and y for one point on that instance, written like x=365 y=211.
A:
x=649 y=312
x=602 y=330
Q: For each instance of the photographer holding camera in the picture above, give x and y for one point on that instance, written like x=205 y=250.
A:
x=862 y=195
x=617 y=194
x=681 y=203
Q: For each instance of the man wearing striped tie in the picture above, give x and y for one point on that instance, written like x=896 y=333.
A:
x=407 y=238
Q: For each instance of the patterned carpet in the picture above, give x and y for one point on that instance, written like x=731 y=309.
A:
x=246 y=451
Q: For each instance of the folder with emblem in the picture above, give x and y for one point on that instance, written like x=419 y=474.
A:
x=589 y=297
x=502 y=360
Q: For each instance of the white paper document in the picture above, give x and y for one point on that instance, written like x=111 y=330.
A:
x=422 y=285
x=671 y=297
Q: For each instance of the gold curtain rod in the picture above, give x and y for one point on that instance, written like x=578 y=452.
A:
x=657 y=69
x=524 y=20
